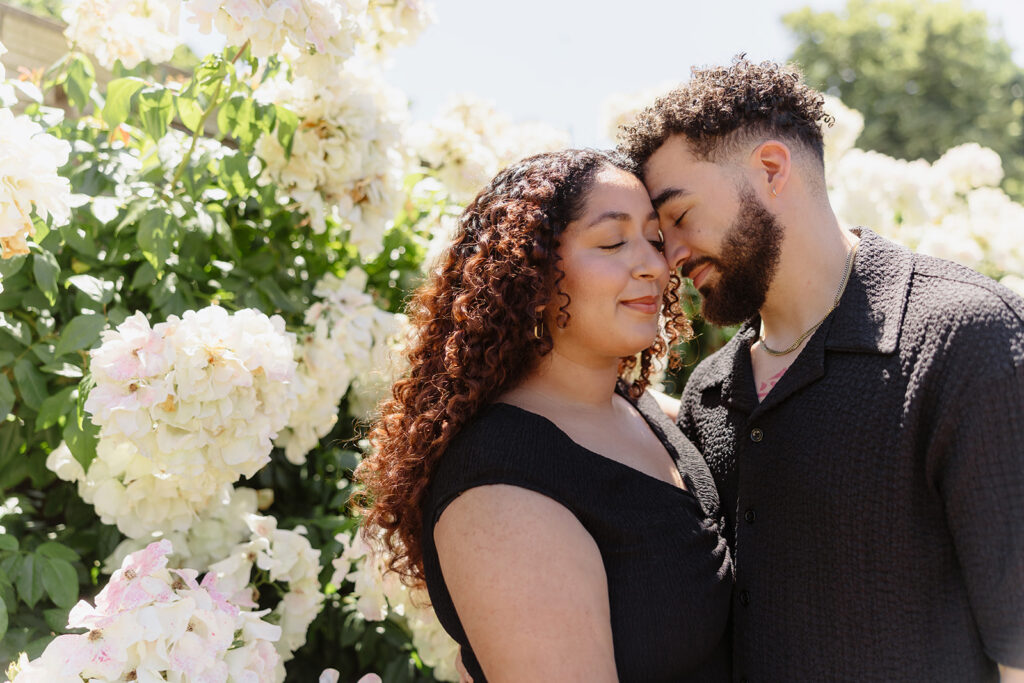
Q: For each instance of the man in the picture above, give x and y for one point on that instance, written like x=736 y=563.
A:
x=865 y=426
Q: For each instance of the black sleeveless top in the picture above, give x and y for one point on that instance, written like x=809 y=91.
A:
x=669 y=570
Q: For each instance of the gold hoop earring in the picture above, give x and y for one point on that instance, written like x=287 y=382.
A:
x=538 y=328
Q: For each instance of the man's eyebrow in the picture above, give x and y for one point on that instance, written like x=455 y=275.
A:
x=667 y=194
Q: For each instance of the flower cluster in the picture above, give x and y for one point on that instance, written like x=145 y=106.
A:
x=151 y=623
x=185 y=408
x=379 y=593
x=347 y=338
x=390 y=23
x=330 y=27
x=470 y=141
x=132 y=31
x=948 y=209
x=347 y=160
x=212 y=536
x=29 y=159
x=287 y=557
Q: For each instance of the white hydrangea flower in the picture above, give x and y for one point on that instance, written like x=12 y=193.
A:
x=287 y=557
x=344 y=343
x=29 y=159
x=970 y=166
x=378 y=593
x=950 y=208
x=330 y=27
x=470 y=141
x=211 y=537
x=390 y=23
x=620 y=109
x=132 y=31
x=61 y=462
x=151 y=623
x=347 y=159
x=185 y=408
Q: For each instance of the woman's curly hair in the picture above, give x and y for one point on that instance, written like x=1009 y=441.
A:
x=721 y=108
x=472 y=335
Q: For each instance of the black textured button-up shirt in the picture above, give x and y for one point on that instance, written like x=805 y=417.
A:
x=886 y=468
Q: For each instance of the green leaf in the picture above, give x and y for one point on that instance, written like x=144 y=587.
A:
x=227 y=115
x=287 y=124
x=6 y=397
x=81 y=333
x=80 y=78
x=81 y=435
x=55 y=550
x=156 y=110
x=119 y=99
x=55 y=407
x=45 y=269
x=30 y=581
x=100 y=291
x=8 y=542
x=3 y=618
x=156 y=238
x=189 y=111
x=31 y=383
x=60 y=580
x=16 y=328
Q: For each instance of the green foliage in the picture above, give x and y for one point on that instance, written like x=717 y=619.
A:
x=189 y=226
x=927 y=76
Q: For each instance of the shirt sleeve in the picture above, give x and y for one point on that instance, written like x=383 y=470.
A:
x=979 y=441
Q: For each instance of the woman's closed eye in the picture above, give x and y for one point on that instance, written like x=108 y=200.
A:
x=611 y=247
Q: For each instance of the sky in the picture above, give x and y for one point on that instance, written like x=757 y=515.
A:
x=556 y=61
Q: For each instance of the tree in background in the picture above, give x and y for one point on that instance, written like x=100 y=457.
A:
x=927 y=76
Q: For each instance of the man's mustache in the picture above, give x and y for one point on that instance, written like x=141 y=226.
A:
x=689 y=266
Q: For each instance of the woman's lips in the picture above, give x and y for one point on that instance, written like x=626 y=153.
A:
x=645 y=304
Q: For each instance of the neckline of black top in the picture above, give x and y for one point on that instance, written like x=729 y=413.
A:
x=669 y=448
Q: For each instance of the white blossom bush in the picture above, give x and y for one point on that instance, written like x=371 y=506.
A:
x=619 y=109
x=378 y=594
x=29 y=182
x=129 y=31
x=347 y=334
x=185 y=408
x=211 y=537
x=151 y=623
x=469 y=141
x=951 y=208
x=390 y=23
x=347 y=159
x=287 y=557
x=331 y=27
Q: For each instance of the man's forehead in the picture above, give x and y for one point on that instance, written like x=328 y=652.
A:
x=671 y=167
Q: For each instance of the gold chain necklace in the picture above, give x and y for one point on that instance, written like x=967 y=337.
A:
x=839 y=294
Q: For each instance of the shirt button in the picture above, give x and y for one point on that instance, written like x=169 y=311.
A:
x=749 y=516
x=756 y=435
x=744 y=598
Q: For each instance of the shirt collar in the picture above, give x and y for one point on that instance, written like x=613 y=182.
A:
x=868 y=319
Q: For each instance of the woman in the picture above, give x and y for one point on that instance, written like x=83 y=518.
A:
x=546 y=501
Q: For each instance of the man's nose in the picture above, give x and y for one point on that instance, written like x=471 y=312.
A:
x=676 y=251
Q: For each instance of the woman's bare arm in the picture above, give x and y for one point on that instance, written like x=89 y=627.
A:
x=528 y=583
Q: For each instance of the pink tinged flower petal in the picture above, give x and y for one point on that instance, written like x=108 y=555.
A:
x=329 y=676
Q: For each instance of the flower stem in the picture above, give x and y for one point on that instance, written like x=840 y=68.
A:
x=214 y=101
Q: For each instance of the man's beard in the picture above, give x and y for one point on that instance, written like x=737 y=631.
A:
x=746 y=265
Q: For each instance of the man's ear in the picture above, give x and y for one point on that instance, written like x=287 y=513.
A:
x=772 y=164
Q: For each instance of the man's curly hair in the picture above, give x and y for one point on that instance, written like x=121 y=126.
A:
x=722 y=109
x=473 y=338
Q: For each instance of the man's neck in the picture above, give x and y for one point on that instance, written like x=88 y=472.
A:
x=809 y=275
